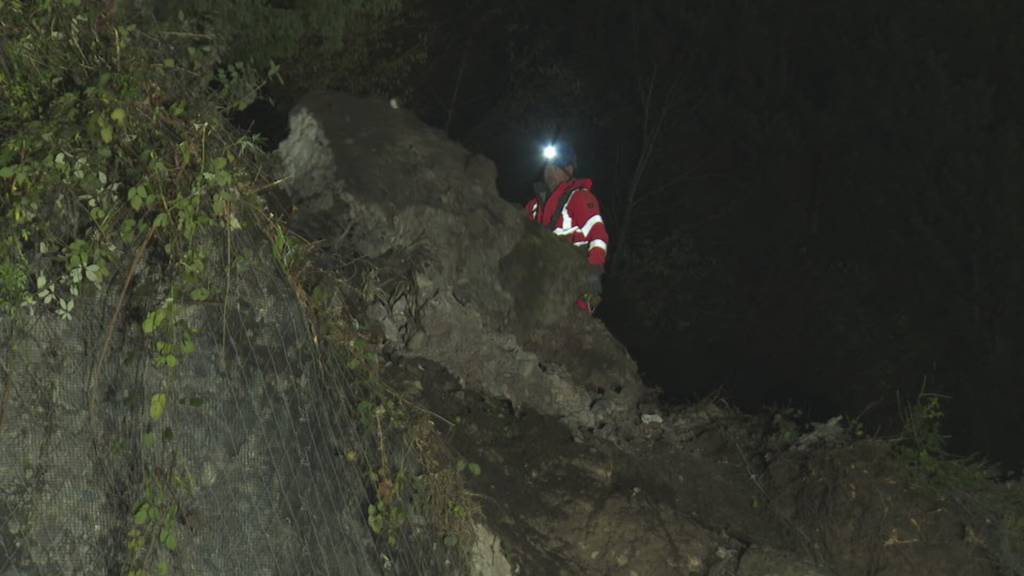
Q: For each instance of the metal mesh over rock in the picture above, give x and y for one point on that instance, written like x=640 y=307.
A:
x=244 y=467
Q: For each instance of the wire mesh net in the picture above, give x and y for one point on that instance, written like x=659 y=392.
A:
x=249 y=456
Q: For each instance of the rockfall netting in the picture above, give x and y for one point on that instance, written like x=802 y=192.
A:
x=249 y=456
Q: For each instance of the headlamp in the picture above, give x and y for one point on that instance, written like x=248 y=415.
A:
x=550 y=152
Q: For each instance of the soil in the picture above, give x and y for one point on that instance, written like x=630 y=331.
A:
x=707 y=491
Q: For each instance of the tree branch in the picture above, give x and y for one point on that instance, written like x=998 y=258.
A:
x=458 y=85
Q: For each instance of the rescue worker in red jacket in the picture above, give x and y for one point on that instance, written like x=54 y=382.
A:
x=567 y=206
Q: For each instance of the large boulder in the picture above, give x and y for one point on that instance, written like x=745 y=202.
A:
x=490 y=296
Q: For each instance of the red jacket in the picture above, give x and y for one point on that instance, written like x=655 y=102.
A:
x=580 y=219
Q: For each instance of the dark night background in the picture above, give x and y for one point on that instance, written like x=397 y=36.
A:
x=816 y=205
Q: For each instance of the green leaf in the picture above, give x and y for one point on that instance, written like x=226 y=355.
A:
x=274 y=72
x=107 y=134
x=171 y=360
x=200 y=294
x=474 y=468
x=137 y=197
x=279 y=241
x=157 y=405
x=148 y=440
x=220 y=201
x=128 y=230
x=171 y=542
x=150 y=323
x=7 y=171
x=219 y=163
x=162 y=568
x=377 y=523
x=141 y=515
x=117 y=115
x=160 y=220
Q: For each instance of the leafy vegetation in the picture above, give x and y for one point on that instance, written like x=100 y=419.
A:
x=113 y=143
x=975 y=484
x=116 y=157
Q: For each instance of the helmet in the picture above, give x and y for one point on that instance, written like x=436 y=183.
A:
x=560 y=155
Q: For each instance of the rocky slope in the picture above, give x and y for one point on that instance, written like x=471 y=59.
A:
x=581 y=472
x=250 y=456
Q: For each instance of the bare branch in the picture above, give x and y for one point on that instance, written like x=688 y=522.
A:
x=455 y=90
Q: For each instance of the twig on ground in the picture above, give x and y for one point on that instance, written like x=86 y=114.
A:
x=94 y=378
x=414 y=405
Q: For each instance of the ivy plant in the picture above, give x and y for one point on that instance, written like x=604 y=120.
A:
x=115 y=153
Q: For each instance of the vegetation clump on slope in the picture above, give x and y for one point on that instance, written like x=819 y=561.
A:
x=113 y=140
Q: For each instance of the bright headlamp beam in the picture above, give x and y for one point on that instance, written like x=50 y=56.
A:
x=550 y=152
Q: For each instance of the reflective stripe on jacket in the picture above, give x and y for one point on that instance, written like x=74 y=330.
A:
x=580 y=220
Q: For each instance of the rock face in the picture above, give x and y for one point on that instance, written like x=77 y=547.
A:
x=45 y=447
x=491 y=294
x=240 y=468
